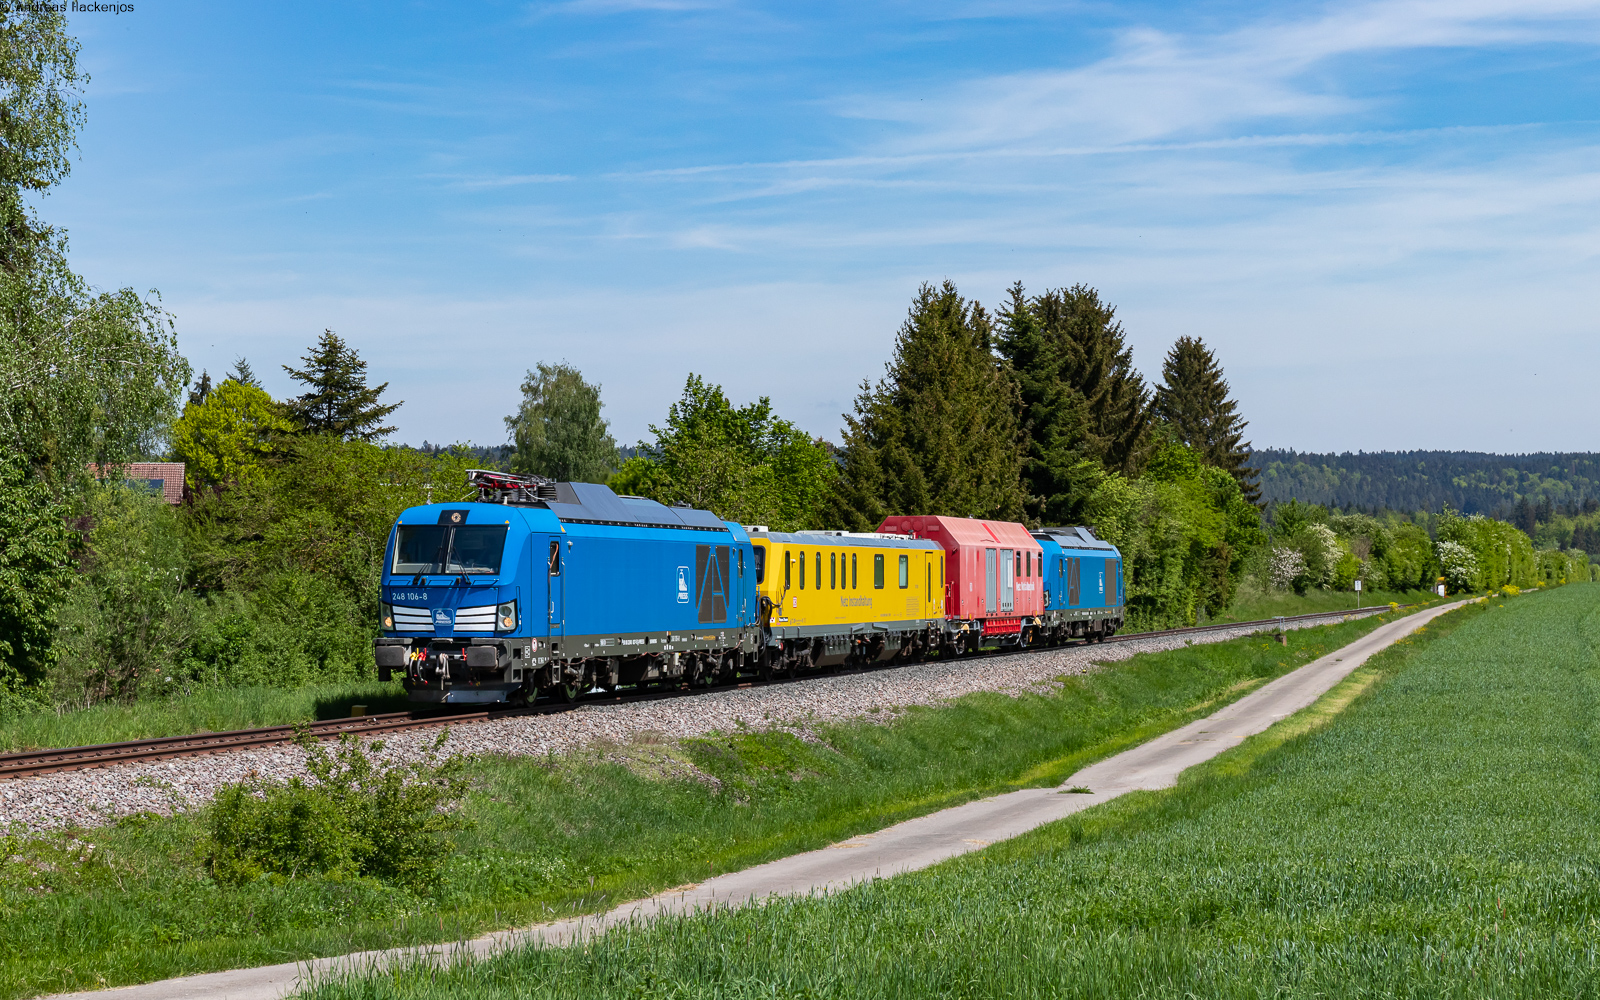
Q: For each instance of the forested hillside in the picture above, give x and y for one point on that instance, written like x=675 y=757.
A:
x=1472 y=482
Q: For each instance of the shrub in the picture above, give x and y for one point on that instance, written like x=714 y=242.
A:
x=1458 y=565
x=361 y=817
x=1410 y=558
x=1288 y=566
x=130 y=615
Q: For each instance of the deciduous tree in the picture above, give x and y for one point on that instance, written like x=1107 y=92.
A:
x=745 y=463
x=84 y=376
x=36 y=571
x=227 y=437
x=558 y=430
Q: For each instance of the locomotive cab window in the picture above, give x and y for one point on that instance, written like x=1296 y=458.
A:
x=760 y=553
x=877 y=571
x=555 y=557
x=454 y=549
x=905 y=572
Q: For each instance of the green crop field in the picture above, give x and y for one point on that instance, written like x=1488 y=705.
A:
x=579 y=834
x=1437 y=838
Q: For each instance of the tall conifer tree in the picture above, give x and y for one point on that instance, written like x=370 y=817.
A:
x=1057 y=472
x=939 y=434
x=338 y=400
x=1193 y=401
x=1097 y=363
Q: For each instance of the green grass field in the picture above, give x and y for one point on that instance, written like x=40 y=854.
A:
x=1438 y=838
x=557 y=837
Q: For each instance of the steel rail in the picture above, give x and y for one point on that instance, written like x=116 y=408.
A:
x=38 y=762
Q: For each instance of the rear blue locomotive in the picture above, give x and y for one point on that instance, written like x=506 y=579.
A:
x=1084 y=594
x=559 y=587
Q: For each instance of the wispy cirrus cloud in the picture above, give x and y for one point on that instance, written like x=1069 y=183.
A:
x=1157 y=84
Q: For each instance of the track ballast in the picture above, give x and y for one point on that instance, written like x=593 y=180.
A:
x=38 y=762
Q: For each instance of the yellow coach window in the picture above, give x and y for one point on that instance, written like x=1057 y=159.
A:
x=852 y=571
x=802 y=571
x=819 y=570
x=905 y=572
x=788 y=571
x=877 y=571
x=833 y=570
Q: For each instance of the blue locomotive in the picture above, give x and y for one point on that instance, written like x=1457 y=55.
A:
x=560 y=587
x=1084 y=595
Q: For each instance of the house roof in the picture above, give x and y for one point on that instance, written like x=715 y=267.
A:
x=165 y=476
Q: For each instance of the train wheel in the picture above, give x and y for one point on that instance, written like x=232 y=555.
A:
x=561 y=694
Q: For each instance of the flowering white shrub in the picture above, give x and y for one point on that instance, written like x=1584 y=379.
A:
x=1287 y=565
x=1322 y=536
x=1457 y=565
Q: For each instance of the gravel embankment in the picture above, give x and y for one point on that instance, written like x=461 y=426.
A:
x=94 y=797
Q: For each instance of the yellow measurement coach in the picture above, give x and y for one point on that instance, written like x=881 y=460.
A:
x=832 y=598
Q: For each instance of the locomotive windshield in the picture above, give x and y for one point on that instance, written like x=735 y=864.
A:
x=445 y=549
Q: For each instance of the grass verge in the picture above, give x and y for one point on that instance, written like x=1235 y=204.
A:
x=1427 y=830
x=1254 y=605
x=205 y=710
x=560 y=836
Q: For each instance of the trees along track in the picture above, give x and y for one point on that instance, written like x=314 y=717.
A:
x=36 y=762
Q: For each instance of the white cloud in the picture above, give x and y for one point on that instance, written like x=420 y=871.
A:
x=1157 y=85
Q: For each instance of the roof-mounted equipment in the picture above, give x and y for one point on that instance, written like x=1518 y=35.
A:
x=504 y=487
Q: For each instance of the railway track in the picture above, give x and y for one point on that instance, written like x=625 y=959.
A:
x=37 y=762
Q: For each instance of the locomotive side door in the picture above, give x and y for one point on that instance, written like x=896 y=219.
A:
x=555 y=567
x=989 y=582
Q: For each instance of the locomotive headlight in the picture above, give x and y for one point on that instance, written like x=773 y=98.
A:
x=508 y=616
x=388 y=616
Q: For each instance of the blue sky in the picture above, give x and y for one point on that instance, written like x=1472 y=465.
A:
x=1381 y=216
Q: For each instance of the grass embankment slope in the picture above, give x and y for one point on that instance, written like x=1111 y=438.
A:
x=1436 y=839
x=579 y=834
